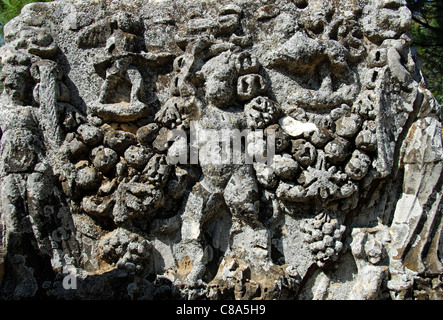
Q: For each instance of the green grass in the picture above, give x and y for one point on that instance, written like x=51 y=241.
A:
x=8 y=10
x=11 y=8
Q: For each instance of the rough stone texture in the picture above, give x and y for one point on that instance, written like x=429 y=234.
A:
x=351 y=208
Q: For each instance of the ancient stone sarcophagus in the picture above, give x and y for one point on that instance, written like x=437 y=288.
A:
x=218 y=149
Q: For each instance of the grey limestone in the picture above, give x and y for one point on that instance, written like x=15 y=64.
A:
x=94 y=91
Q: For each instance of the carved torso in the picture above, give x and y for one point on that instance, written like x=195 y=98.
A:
x=331 y=92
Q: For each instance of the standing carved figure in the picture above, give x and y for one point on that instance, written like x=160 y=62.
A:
x=132 y=140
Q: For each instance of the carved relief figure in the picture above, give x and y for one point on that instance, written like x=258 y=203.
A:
x=331 y=92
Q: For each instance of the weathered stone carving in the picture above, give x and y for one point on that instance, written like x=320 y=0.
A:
x=218 y=149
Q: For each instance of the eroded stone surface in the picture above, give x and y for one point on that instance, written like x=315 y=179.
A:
x=350 y=208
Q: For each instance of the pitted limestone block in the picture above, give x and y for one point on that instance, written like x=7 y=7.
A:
x=377 y=58
x=181 y=86
x=266 y=12
x=368 y=249
x=120 y=111
x=90 y=135
x=17 y=152
x=260 y=112
x=87 y=177
x=228 y=23
x=393 y=19
x=40 y=42
x=323 y=233
x=321 y=137
x=147 y=134
x=304 y=152
x=135 y=200
x=337 y=150
x=325 y=184
x=265 y=175
x=230 y=8
x=285 y=166
x=105 y=159
x=77 y=148
x=126 y=250
x=246 y=63
x=371 y=78
x=282 y=140
x=198 y=25
x=119 y=140
x=138 y=156
x=348 y=126
x=129 y=23
x=99 y=101
x=98 y=207
x=241 y=194
x=95 y=35
x=358 y=166
x=291 y=192
x=400 y=73
x=157 y=170
x=250 y=86
x=169 y=114
x=366 y=140
x=220 y=80
x=161 y=142
x=107 y=187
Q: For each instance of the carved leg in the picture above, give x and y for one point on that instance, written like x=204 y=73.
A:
x=13 y=207
x=200 y=207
